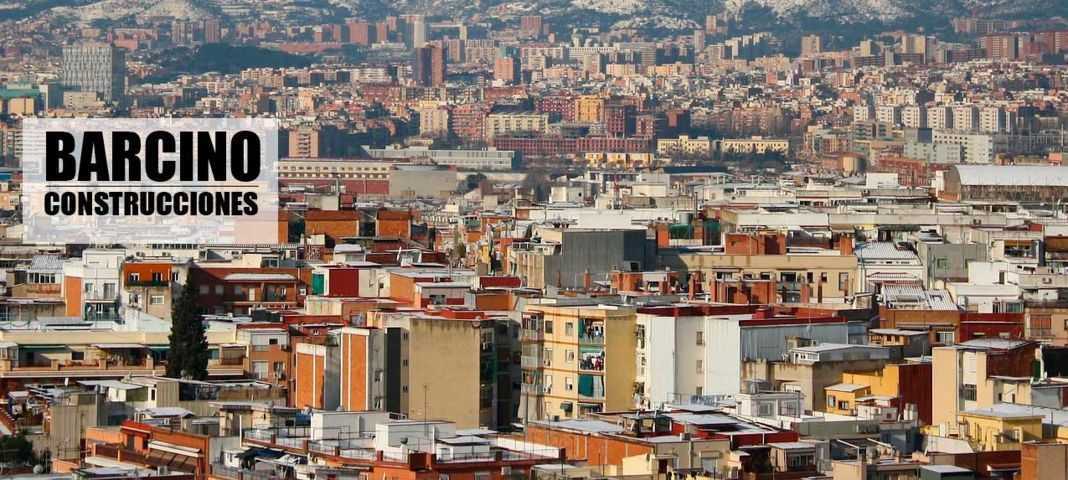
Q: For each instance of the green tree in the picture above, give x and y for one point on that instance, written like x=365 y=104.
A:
x=458 y=252
x=16 y=449
x=188 y=356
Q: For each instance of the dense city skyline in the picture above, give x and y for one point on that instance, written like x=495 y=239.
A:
x=546 y=240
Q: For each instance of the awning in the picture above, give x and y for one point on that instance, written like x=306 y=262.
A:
x=119 y=346
x=172 y=448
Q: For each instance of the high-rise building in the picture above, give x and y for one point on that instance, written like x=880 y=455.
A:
x=868 y=48
x=698 y=41
x=914 y=43
x=416 y=30
x=95 y=67
x=212 y=30
x=428 y=66
x=506 y=69
x=811 y=45
x=181 y=32
x=589 y=108
x=531 y=25
x=1000 y=47
x=360 y=32
x=712 y=25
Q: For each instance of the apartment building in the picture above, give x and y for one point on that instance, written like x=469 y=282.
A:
x=576 y=360
x=507 y=124
x=770 y=268
x=456 y=364
x=967 y=375
x=684 y=145
x=709 y=348
x=757 y=145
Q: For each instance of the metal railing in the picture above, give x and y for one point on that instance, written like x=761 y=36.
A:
x=220 y=470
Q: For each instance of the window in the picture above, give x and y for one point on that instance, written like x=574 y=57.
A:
x=569 y=328
x=700 y=337
x=942 y=263
x=203 y=289
x=548 y=326
x=700 y=366
x=156 y=300
x=219 y=290
x=135 y=277
x=843 y=281
x=157 y=277
x=547 y=354
x=967 y=392
x=831 y=401
x=569 y=356
x=569 y=384
x=945 y=338
x=260 y=369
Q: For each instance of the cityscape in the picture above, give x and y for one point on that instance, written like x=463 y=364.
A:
x=550 y=240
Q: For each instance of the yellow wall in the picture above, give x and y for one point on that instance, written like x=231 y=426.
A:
x=984 y=432
x=849 y=397
x=879 y=382
x=562 y=349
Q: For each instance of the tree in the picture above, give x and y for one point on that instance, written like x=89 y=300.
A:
x=458 y=252
x=188 y=356
x=16 y=449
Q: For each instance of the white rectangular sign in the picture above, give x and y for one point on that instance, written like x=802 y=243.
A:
x=147 y=181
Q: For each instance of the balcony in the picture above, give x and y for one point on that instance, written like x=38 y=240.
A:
x=218 y=470
x=530 y=362
x=527 y=335
x=228 y=361
x=150 y=283
x=593 y=364
x=43 y=289
x=590 y=332
x=596 y=339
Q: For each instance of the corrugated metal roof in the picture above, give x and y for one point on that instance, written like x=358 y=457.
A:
x=1012 y=175
x=907 y=295
x=46 y=263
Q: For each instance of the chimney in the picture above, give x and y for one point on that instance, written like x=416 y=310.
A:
x=845 y=244
x=587 y=280
x=663 y=236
